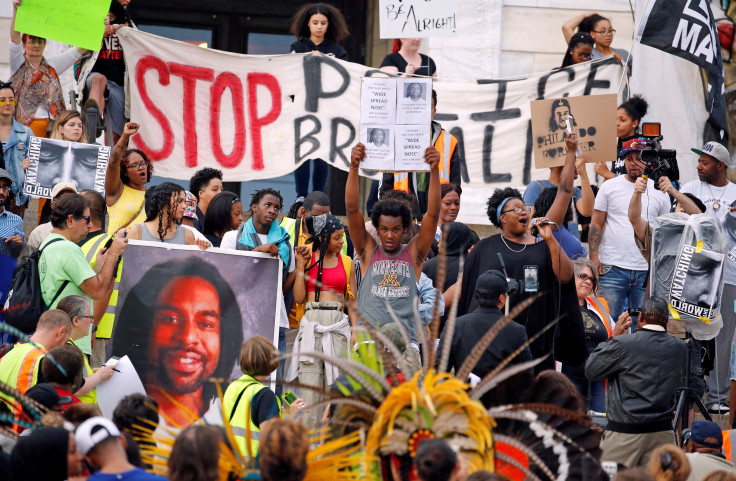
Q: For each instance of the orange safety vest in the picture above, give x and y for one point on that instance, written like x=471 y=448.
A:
x=446 y=149
x=601 y=306
x=728 y=446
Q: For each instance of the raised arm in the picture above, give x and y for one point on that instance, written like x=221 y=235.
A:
x=685 y=202
x=568 y=28
x=587 y=201
x=637 y=221
x=422 y=243
x=362 y=242
x=595 y=234
x=557 y=211
x=561 y=264
x=113 y=183
x=15 y=36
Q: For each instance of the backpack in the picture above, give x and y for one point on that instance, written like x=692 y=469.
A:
x=24 y=304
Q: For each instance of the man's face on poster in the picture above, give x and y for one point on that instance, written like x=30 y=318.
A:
x=561 y=114
x=415 y=91
x=185 y=336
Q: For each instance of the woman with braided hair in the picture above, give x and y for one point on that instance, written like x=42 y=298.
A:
x=324 y=280
x=163 y=219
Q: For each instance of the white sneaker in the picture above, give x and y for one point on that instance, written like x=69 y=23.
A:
x=718 y=408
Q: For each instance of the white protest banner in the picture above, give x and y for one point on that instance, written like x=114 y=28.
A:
x=261 y=117
x=54 y=161
x=417 y=18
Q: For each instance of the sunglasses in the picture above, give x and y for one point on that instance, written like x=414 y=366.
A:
x=586 y=277
x=4 y=101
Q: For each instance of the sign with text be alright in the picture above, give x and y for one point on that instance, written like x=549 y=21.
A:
x=417 y=18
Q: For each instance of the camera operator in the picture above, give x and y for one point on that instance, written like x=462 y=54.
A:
x=611 y=238
x=643 y=370
x=717 y=193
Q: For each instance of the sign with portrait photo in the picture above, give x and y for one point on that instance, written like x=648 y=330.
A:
x=54 y=161
x=182 y=316
x=591 y=117
x=395 y=123
x=694 y=290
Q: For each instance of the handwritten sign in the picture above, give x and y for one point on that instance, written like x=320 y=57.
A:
x=76 y=22
x=417 y=18
x=395 y=118
x=593 y=120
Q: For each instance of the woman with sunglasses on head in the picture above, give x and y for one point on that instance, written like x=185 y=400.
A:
x=15 y=138
x=600 y=29
x=579 y=49
x=599 y=326
x=36 y=79
x=128 y=172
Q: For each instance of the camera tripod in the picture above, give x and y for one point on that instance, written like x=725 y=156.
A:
x=683 y=395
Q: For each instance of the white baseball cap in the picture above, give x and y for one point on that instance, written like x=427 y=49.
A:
x=93 y=431
x=717 y=151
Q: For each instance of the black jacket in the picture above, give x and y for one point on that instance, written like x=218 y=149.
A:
x=327 y=47
x=643 y=371
x=471 y=327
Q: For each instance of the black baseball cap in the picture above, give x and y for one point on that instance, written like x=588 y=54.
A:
x=491 y=284
x=46 y=395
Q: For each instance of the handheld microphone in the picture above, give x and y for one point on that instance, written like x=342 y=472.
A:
x=535 y=221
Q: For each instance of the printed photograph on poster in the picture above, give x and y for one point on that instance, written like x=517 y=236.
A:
x=182 y=315
x=378 y=101
x=414 y=105
x=411 y=141
x=54 y=161
x=379 y=146
x=694 y=290
x=591 y=117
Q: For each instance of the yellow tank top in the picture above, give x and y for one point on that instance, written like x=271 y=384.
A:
x=125 y=208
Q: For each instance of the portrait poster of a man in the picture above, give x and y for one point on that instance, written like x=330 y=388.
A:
x=183 y=315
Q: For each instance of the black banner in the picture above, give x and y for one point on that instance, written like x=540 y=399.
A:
x=686 y=28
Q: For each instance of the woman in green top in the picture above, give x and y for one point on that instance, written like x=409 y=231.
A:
x=80 y=313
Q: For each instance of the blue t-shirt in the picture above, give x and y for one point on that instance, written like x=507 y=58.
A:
x=136 y=474
x=570 y=244
x=535 y=188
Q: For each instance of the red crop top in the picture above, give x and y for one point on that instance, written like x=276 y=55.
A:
x=333 y=279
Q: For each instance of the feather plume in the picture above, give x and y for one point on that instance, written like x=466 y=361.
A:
x=452 y=317
x=487 y=339
x=505 y=374
x=434 y=325
x=33 y=407
x=511 y=441
x=509 y=460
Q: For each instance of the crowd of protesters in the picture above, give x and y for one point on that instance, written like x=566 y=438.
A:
x=574 y=257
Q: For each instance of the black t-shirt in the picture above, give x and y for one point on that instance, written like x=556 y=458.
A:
x=327 y=47
x=263 y=406
x=595 y=333
x=428 y=68
x=110 y=62
x=523 y=265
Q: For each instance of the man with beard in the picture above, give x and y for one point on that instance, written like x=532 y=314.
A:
x=11 y=225
x=181 y=325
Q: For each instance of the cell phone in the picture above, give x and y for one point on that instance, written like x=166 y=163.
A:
x=289 y=397
x=634 y=312
x=108 y=243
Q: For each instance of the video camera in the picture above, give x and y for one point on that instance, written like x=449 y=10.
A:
x=658 y=162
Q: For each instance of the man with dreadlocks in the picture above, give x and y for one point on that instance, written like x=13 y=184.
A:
x=324 y=280
x=163 y=221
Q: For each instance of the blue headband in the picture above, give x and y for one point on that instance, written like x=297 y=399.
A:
x=500 y=206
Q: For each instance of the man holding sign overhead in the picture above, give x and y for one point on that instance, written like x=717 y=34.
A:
x=391 y=269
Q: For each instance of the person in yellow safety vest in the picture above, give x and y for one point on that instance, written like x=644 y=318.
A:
x=248 y=404
x=92 y=246
x=78 y=309
x=19 y=368
x=418 y=183
x=316 y=203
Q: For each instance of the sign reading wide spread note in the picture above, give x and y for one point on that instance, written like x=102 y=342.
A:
x=395 y=123
x=417 y=18
x=79 y=22
x=591 y=117
x=54 y=161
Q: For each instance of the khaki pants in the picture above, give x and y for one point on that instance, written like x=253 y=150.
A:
x=98 y=353
x=312 y=372
x=633 y=450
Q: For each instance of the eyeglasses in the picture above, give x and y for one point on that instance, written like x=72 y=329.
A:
x=4 y=187
x=36 y=40
x=87 y=218
x=137 y=165
x=583 y=56
x=519 y=210
x=605 y=32
x=586 y=277
x=4 y=101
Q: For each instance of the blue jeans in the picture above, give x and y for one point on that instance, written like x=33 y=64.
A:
x=618 y=285
x=593 y=392
x=282 y=363
x=319 y=177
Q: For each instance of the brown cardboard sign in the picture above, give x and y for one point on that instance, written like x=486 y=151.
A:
x=593 y=120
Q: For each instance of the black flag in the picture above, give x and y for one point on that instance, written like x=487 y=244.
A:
x=686 y=28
